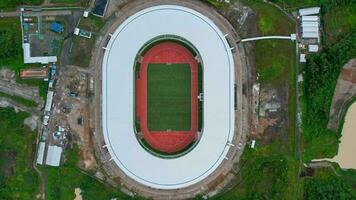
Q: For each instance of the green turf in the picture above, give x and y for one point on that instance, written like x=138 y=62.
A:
x=168 y=97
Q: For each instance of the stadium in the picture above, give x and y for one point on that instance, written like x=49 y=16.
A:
x=169 y=99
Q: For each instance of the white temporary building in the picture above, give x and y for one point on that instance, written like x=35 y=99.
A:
x=49 y=101
x=313 y=48
x=310 y=24
x=54 y=154
x=310 y=18
x=309 y=11
x=118 y=99
x=310 y=29
x=38 y=59
x=310 y=35
x=302 y=58
x=40 y=153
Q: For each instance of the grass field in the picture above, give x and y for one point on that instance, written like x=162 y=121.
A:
x=81 y=52
x=18 y=180
x=169 y=97
x=338 y=22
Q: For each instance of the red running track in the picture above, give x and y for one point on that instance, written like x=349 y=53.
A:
x=164 y=141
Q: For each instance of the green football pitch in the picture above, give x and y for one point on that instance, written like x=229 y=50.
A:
x=169 y=97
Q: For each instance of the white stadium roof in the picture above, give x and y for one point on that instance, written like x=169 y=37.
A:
x=118 y=97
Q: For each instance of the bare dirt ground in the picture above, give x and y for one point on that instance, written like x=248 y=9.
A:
x=72 y=112
x=345 y=90
x=272 y=117
x=84 y=135
x=31 y=122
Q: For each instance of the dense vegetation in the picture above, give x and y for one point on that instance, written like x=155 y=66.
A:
x=296 y=4
x=17 y=178
x=11 y=4
x=7 y=37
x=338 y=21
x=321 y=73
x=330 y=183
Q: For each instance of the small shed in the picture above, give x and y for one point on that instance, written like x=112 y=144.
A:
x=57 y=27
x=302 y=58
x=86 y=14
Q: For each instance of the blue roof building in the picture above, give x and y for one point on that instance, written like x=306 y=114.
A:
x=57 y=27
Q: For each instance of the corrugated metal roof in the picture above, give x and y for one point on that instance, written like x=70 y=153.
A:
x=313 y=48
x=310 y=29
x=310 y=35
x=310 y=24
x=49 y=101
x=40 y=152
x=310 y=18
x=54 y=154
x=309 y=11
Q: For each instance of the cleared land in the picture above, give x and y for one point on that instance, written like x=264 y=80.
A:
x=272 y=166
x=169 y=97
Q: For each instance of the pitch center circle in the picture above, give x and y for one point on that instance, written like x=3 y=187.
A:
x=168 y=96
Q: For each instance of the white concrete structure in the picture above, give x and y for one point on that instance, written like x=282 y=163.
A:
x=291 y=37
x=118 y=97
x=54 y=154
x=309 y=11
x=40 y=59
